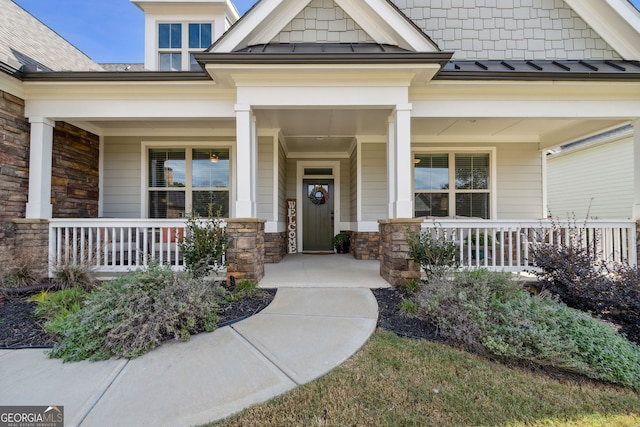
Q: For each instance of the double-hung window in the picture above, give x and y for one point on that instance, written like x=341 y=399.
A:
x=177 y=42
x=185 y=180
x=452 y=184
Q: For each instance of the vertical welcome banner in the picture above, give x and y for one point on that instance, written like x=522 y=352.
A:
x=292 y=226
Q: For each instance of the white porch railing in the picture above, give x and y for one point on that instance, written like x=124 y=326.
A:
x=506 y=245
x=112 y=245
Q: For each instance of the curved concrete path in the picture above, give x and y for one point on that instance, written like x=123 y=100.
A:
x=302 y=335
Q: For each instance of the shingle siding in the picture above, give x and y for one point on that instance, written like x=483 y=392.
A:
x=507 y=29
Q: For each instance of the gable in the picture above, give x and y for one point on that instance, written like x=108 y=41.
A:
x=322 y=21
x=370 y=21
x=508 y=29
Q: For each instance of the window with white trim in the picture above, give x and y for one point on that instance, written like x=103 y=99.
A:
x=452 y=184
x=177 y=42
x=184 y=180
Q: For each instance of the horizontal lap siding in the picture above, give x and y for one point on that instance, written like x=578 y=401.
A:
x=122 y=177
x=593 y=183
x=374 y=182
x=519 y=181
x=265 y=179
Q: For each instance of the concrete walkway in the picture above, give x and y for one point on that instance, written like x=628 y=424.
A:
x=334 y=270
x=302 y=335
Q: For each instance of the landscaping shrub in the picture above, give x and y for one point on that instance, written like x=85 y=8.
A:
x=490 y=313
x=71 y=275
x=435 y=254
x=59 y=303
x=22 y=271
x=133 y=314
x=575 y=275
x=204 y=244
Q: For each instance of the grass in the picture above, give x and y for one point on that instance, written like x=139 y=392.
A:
x=397 y=381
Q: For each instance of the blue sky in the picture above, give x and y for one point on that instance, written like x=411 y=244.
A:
x=106 y=30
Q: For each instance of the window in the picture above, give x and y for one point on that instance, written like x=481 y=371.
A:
x=177 y=43
x=452 y=184
x=183 y=180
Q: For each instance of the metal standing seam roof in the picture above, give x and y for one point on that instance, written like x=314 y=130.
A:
x=542 y=70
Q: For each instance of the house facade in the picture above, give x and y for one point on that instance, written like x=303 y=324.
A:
x=593 y=178
x=305 y=118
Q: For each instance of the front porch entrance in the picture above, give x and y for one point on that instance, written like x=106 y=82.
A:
x=318 y=215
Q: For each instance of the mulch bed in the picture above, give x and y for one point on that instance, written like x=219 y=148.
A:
x=20 y=328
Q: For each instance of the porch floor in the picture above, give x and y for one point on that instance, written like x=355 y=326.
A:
x=323 y=271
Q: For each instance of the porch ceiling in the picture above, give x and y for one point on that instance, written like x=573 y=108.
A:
x=332 y=130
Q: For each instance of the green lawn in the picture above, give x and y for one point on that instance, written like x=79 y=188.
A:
x=396 y=381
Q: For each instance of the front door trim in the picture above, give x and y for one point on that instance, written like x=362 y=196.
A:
x=301 y=165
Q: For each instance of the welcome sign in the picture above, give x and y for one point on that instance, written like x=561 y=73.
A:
x=292 y=226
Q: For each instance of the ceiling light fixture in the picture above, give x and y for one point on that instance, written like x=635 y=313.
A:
x=213 y=157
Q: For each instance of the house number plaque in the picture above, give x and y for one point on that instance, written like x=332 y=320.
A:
x=292 y=226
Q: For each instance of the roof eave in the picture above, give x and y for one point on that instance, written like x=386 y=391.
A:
x=113 y=76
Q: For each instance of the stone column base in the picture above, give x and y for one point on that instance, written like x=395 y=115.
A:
x=396 y=267
x=275 y=247
x=245 y=254
x=364 y=245
x=27 y=241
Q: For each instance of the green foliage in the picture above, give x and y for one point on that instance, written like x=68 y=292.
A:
x=133 y=314
x=488 y=312
x=60 y=303
x=435 y=254
x=204 y=244
x=479 y=239
x=340 y=239
x=408 y=307
x=241 y=289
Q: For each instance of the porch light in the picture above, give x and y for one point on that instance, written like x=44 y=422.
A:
x=213 y=157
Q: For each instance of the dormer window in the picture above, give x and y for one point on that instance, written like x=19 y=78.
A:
x=176 y=55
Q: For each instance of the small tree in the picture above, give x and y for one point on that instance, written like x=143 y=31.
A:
x=204 y=244
x=435 y=254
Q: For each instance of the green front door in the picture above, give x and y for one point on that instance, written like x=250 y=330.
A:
x=317 y=211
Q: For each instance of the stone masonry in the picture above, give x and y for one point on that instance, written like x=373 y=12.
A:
x=74 y=174
x=396 y=267
x=507 y=29
x=322 y=21
x=275 y=247
x=14 y=171
x=364 y=245
x=245 y=254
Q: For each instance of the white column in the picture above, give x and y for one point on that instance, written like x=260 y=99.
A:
x=245 y=164
x=391 y=164
x=254 y=167
x=636 y=170
x=403 y=162
x=40 y=158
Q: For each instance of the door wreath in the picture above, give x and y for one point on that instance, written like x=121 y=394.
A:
x=319 y=195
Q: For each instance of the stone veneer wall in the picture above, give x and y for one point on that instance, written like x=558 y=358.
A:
x=364 y=245
x=14 y=171
x=322 y=21
x=275 y=247
x=396 y=267
x=245 y=254
x=75 y=172
x=507 y=29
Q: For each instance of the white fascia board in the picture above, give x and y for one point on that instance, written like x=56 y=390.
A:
x=587 y=109
x=11 y=85
x=386 y=26
x=322 y=96
x=616 y=21
x=128 y=109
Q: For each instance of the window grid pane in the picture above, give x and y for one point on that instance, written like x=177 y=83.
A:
x=210 y=168
x=169 y=36
x=199 y=36
x=473 y=205
x=167 y=168
x=431 y=172
x=472 y=171
x=215 y=203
